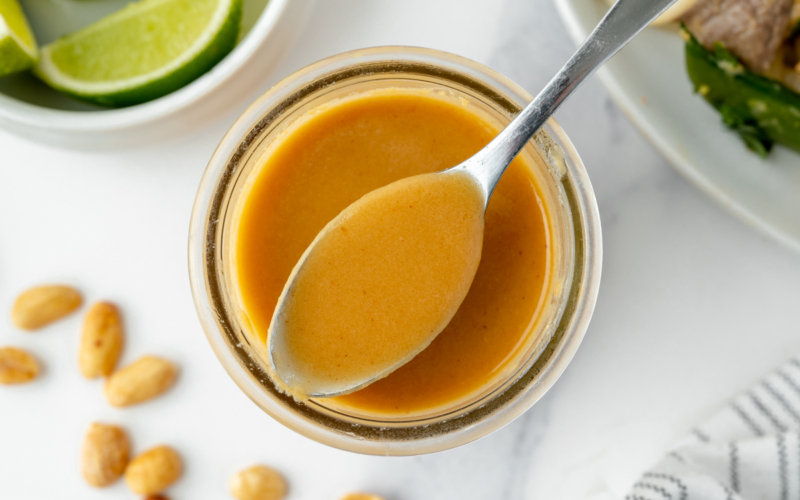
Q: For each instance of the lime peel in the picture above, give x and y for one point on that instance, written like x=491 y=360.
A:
x=62 y=66
x=18 y=50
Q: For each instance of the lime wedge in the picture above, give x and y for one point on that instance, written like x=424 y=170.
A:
x=146 y=50
x=17 y=46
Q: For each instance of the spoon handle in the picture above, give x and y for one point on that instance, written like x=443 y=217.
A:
x=621 y=23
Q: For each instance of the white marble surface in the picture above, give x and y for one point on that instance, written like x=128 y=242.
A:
x=694 y=305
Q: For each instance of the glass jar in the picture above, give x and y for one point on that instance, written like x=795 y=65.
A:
x=575 y=235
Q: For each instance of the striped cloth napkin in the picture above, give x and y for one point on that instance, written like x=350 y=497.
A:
x=749 y=450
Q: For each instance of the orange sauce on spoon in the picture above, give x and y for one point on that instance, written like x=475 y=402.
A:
x=379 y=283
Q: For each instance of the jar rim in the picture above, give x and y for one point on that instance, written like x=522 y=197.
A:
x=203 y=235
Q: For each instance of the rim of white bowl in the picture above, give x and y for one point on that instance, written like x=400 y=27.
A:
x=31 y=115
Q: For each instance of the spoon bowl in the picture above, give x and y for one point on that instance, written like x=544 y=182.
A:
x=343 y=288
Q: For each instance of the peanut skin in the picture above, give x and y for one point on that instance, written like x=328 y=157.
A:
x=38 y=306
x=105 y=454
x=140 y=381
x=258 y=483
x=17 y=366
x=153 y=471
x=101 y=342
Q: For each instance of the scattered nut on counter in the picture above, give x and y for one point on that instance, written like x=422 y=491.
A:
x=153 y=471
x=142 y=380
x=106 y=448
x=17 y=366
x=105 y=454
x=38 y=306
x=101 y=341
x=361 y=496
x=258 y=482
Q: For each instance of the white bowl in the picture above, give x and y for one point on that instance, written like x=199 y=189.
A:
x=31 y=109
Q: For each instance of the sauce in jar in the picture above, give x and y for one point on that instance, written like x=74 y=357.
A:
x=347 y=148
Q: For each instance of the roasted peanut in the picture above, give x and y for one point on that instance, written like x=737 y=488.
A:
x=101 y=341
x=361 y=496
x=17 y=366
x=41 y=305
x=258 y=483
x=153 y=471
x=140 y=381
x=105 y=454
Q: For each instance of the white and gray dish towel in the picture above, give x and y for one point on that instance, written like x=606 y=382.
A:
x=749 y=450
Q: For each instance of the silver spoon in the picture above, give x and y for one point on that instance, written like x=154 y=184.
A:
x=622 y=22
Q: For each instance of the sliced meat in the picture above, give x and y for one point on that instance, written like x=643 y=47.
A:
x=751 y=29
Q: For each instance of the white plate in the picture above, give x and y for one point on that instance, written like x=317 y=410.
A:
x=648 y=81
x=31 y=109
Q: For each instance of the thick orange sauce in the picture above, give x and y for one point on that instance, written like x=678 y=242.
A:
x=362 y=143
x=378 y=284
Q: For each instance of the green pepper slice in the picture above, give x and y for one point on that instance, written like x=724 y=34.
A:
x=762 y=111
